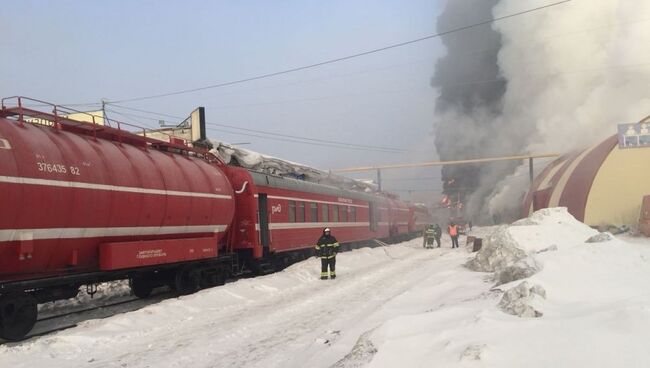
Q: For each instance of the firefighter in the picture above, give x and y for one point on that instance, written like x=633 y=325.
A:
x=326 y=248
x=437 y=233
x=453 y=233
x=428 y=237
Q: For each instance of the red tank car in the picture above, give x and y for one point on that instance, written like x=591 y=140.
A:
x=82 y=203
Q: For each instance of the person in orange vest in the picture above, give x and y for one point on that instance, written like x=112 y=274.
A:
x=453 y=233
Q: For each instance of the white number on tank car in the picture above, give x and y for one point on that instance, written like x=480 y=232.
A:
x=57 y=168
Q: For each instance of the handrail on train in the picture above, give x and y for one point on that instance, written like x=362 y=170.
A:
x=59 y=117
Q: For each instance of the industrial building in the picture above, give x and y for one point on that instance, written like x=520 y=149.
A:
x=602 y=185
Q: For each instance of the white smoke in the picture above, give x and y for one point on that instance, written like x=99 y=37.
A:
x=574 y=71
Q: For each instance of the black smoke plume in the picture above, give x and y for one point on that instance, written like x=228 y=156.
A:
x=468 y=110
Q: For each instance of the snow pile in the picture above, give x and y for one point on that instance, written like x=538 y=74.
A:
x=586 y=306
x=509 y=251
x=499 y=251
x=599 y=238
x=517 y=300
x=361 y=354
x=106 y=292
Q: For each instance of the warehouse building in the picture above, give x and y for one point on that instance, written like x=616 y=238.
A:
x=602 y=185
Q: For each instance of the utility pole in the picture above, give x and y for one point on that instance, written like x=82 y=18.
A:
x=104 y=118
x=379 y=178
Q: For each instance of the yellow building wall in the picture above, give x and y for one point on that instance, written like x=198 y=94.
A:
x=618 y=189
x=88 y=116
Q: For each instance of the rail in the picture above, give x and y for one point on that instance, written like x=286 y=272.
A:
x=26 y=110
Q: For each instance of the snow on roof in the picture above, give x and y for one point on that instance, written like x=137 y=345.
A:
x=256 y=161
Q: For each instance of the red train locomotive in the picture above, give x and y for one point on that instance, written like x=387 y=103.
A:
x=82 y=203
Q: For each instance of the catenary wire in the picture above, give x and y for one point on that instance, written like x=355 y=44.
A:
x=333 y=145
x=292 y=137
x=344 y=58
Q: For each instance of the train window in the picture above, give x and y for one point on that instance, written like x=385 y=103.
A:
x=300 y=212
x=313 y=209
x=292 y=211
x=335 y=213
x=325 y=215
x=353 y=214
x=344 y=213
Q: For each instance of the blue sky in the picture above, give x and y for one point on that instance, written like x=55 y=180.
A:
x=83 y=51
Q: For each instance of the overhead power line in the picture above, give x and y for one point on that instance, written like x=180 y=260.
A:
x=272 y=135
x=336 y=60
x=332 y=145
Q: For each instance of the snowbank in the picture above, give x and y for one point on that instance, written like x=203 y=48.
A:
x=586 y=305
x=106 y=292
x=590 y=298
x=509 y=251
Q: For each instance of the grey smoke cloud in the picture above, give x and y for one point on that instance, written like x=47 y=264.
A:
x=469 y=107
x=552 y=81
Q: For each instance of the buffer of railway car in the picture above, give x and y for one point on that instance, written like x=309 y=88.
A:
x=83 y=203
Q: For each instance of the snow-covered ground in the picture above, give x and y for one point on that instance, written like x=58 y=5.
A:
x=397 y=306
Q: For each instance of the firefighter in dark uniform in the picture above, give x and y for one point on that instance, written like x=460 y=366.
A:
x=326 y=248
x=428 y=237
x=437 y=233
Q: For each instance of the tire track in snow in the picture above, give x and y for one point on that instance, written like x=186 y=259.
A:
x=264 y=335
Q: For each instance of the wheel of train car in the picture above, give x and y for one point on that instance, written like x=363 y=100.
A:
x=187 y=281
x=17 y=315
x=141 y=287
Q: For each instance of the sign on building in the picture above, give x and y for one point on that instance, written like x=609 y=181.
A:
x=634 y=135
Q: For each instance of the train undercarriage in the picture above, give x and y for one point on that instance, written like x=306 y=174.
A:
x=19 y=300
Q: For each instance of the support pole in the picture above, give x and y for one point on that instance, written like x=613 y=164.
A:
x=379 y=178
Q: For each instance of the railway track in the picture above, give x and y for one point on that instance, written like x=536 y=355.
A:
x=72 y=318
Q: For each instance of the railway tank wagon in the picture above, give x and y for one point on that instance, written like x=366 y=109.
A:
x=82 y=203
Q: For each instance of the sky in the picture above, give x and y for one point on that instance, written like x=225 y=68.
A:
x=70 y=52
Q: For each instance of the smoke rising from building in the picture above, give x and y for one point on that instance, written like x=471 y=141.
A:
x=469 y=106
x=548 y=81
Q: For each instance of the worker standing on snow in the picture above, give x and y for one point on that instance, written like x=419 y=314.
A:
x=428 y=237
x=453 y=233
x=326 y=248
x=437 y=233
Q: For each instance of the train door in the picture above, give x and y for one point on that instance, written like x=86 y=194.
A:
x=263 y=215
x=372 y=213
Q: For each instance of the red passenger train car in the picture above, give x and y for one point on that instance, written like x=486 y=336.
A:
x=82 y=203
